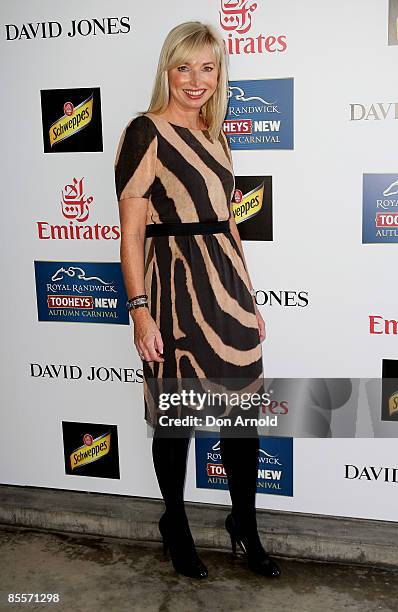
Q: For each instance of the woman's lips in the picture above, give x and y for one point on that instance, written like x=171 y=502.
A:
x=194 y=94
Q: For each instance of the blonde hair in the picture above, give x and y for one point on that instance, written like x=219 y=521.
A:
x=180 y=46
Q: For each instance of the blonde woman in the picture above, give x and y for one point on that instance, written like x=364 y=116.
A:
x=190 y=296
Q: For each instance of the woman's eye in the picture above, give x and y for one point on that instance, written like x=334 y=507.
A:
x=181 y=68
x=209 y=68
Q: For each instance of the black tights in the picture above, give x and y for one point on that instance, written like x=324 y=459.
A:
x=240 y=460
x=170 y=462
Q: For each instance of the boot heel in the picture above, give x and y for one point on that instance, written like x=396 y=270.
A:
x=178 y=540
x=163 y=533
x=233 y=544
x=258 y=559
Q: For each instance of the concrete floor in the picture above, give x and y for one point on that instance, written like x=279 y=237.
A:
x=103 y=574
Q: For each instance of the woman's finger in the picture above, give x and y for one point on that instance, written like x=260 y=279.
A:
x=143 y=354
x=261 y=327
x=159 y=342
x=150 y=350
x=153 y=355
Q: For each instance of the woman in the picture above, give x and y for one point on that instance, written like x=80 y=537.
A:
x=184 y=270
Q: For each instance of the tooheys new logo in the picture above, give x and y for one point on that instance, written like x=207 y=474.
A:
x=380 y=204
x=72 y=121
x=82 y=292
x=246 y=206
x=91 y=450
x=275 y=464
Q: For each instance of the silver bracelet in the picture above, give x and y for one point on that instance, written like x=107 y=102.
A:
x=136 y=302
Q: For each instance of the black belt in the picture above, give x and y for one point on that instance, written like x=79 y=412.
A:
x=187 y=229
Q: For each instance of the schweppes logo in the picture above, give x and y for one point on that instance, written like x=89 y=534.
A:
x=91 y=450
x=73 y=120
x=393 y=404
x=245 y=206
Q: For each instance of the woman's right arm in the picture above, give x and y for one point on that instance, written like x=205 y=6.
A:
x=135 y=172
x=132 y=213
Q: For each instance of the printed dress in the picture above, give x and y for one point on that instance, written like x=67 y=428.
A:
x=197 y=285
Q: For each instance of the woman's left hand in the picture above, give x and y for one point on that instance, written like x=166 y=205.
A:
x=261 y=324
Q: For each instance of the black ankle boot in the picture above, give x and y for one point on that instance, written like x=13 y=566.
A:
x=178 y=539
x=258 y=559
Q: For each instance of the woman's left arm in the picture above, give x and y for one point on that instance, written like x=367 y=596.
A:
x=235 y=233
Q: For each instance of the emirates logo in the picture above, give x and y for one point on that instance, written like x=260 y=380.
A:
x=236 y=21
x=74 y=203
x=236 y=15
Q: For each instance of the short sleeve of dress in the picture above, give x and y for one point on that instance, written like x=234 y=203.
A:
x=135 y=161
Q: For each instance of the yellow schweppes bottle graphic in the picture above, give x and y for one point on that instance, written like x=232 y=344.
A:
x=245 y=206
x=74 y=120
x=393 y=404
x=91 y=450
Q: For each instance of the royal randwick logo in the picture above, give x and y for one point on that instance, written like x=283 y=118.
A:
x=275 y=464
x=380 y=208
x=71 y=120
x=80 y=292
x=260 y=114
x=236 y=19
x=76 y=207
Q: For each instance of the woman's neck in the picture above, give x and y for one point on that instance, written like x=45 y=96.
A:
x=191 y=119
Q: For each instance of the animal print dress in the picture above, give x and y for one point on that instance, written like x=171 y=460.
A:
x=197 y=285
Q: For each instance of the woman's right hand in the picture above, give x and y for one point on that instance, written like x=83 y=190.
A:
x=147 y=336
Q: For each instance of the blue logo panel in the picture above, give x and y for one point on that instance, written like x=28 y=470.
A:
x=260 y=114
x=380 y=208
x=275 y=466
x=80 y=292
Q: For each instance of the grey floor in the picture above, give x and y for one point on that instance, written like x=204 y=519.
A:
x=104 y=574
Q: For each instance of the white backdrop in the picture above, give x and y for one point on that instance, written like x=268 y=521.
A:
x=338 y=55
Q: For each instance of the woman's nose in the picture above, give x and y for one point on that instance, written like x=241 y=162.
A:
x=195 y=78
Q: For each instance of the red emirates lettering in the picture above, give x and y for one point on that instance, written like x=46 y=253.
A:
x=248 y=45
x=47 y=231
x=378 y=325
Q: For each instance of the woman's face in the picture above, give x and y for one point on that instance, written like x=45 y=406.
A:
x=193 y=83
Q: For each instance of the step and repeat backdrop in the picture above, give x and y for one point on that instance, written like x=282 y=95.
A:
x=312 y=123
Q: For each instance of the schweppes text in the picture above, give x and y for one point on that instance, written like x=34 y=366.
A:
x=249 y=205
x=87 y=454
x=68 y=125
x=393 y=404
